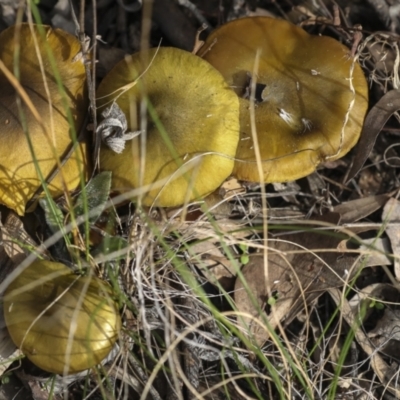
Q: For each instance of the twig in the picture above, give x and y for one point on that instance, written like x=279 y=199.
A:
x=195 y=11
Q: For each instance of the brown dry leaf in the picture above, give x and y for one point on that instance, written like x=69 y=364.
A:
x=316 y=184
x=217 y=206
x=205 y=252
x=391 y=216
x=17 y=242
x=355 y=210
x=251 y=294
x=216 y=267
x=300 y=268
x=376 y=291
x=231 y=187
x=386 y=335
x=377 y=251
x=38 y=392
x=373 y=124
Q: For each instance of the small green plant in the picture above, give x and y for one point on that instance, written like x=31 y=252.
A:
x=244 y=255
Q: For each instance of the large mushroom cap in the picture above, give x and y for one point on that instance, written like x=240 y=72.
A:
x=60 y=321
x=197 y=113
x=310 y=97
x=19 y=179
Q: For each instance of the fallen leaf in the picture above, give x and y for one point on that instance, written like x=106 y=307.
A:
x=298 y=270
x=355 y=210
x=231 y=187
x=373 y=124
x=377 y=250
x=16 y=241
x=215 y=266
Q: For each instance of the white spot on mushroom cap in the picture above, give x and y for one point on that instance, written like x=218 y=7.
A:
x=307 y=124
x=287 y=117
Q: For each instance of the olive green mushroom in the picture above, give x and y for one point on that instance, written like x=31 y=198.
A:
x=310 y=96
x=62 y=322
x=49 y=131
x=189 y=145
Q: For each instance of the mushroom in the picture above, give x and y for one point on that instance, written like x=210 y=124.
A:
x=47 y=136
x=310 y=96
x=192 y=132
x=63 y=323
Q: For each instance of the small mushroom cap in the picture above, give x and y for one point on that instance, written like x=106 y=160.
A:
x=46 y=303
x=197 y=113
x=310 y=97
x=19 y=179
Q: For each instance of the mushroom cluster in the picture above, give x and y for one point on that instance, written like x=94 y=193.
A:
x=310 y=96
x=63 y=323
x=40 y=64
x=309 y=99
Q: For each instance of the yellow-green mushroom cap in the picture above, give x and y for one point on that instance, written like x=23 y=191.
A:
x=310 y=99
x=61 y=322
x=19 y=179
x=191 y=137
